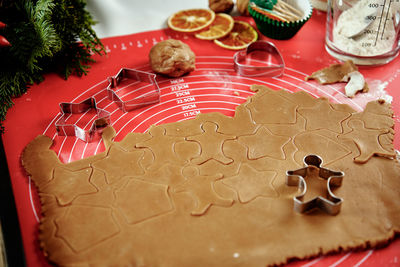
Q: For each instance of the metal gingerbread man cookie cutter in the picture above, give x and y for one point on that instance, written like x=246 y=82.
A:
x=152 y=96
x=330 y=204
x=269 y=61
x=72 y=129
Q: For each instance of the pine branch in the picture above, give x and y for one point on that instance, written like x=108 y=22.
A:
x=76 y=26
x=44 y=35
x=41 y=17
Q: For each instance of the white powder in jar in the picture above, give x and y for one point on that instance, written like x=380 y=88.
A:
x=376 y=39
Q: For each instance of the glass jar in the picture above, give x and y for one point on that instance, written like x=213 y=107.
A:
x=365 y=31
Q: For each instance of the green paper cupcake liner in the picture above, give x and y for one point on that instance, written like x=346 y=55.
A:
x=280 y=30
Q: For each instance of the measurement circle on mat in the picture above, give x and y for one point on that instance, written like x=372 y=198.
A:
x=213 y=87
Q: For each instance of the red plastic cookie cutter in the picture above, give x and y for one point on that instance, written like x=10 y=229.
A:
x=72 y=129
x=330 y=204
x=260 y=58
x=145 y=89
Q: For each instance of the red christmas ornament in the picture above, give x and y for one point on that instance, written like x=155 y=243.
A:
x=4 y=41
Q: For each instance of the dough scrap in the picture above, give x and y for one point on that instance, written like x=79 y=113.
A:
x=147 y=201
x=342 y=72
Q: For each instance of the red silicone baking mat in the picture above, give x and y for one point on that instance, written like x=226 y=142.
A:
x=214 y=86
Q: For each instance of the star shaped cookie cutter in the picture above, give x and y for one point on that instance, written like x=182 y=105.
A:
x=71 y=129
x=139 y=101
x=330 y=204
x=266 y=60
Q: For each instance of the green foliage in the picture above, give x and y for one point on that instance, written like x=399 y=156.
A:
x=45 y=35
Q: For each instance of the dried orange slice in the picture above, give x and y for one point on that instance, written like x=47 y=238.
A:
x=221 y=26
x=239 y=37
x=191 y=20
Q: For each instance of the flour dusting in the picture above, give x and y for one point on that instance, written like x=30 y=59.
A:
x=377 y=91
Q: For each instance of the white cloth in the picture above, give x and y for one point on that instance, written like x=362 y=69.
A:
x=121 y=17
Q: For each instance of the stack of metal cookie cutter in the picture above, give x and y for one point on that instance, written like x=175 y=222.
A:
x=71 y=129
x=270 y=65
x=152 y=97
x=330 y=204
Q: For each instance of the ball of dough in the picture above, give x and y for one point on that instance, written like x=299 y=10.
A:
x=172 y=57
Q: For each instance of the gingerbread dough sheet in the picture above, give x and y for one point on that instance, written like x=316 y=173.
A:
x=211 y=191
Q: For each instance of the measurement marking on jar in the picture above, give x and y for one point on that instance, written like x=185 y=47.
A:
x=366 y=44
x=386 y=19
x=380 y=22
x=369 y=32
